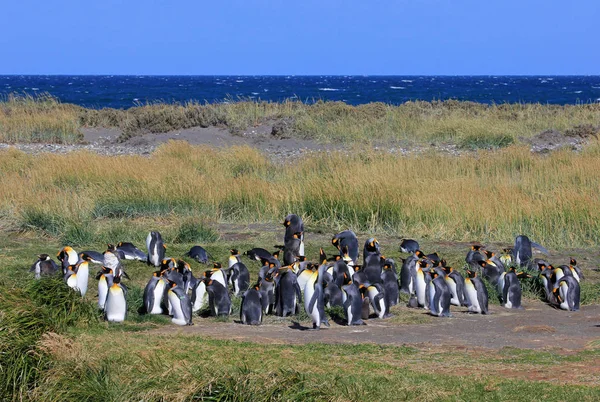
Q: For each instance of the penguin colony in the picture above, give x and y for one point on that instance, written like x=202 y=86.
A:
x=284 y=287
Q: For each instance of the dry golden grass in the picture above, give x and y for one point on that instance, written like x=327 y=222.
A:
x=489 y=196
x=41 y=119
x=467 y=124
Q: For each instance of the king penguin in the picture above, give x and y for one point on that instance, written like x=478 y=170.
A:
x=156 y=249
x=439 y=293
x=116 y=302
x=251 y=311
x=511 y=293
x=181 y=305
x=44 y=266
x=105 y=281
x=68 y=257
x=347 y=239
x=154 y=293
x=353 y=304
x=568 y=293
x=218 y=298
x=476 y=293
x=314 y=302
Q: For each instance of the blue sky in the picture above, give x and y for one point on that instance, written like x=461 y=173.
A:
x=451 y=37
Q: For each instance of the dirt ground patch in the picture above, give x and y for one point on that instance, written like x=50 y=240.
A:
x=502 y=328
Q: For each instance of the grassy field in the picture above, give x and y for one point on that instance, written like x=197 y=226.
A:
x=54 y=345
x=469 y=125
x=492 y=196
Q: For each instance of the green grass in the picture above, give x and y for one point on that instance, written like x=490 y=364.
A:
x=230 y=370
x=27 y=314
x=82 y=362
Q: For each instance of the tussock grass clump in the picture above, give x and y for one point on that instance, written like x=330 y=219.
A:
x=41 y=118
x=194 y=230
x=28 y=312
x=493 y=196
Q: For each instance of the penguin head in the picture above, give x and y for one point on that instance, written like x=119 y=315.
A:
x=372 y=244
x=483 y=264
x=276 y=254
x=234 y=251
x=419 y=254
x=471 y=274
x=447 y=269
x=300 y=258
x=489 y=254
x=322 y=256
x=387 y=266
x=475 y=247
x=286 y=222
x=423 y=264
x=43 y=257
x=297 y=235
x=335 y=241
x=111 y=247
x=216 y=265
x=573 y=262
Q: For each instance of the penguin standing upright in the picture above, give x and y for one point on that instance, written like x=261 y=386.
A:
x=568 y=293
x=68 y=257
x=577 y=273
x=523 y=251
x=377 y=298
x=475 y=256
x=181 y=305
x=408 y=272
x=251 y=311
x=291 y=248
x=199 y=296
x=156 y=249
x=389 y=280
x=239 y=277
x=154 y=293
x=81 y=274
x=456 y=284
x=105 y=281
x=353 y=304
x=511 y=293
x=547 y=277
x=287 y=293
x=439 y=293
x=314 y=302
x=115 y=308
x=476 y=293
x=304 y=274
x=44 y=266
x=347 y=239
x=218 y=298
x=421 y=280
x=294 y=224
x=234 y=257
x=373 y=261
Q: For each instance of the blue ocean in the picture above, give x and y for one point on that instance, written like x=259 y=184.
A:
x=127 y=91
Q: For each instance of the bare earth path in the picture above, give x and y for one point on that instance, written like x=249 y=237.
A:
x=538 y=326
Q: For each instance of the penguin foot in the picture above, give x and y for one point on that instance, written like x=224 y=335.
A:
x=326 y=322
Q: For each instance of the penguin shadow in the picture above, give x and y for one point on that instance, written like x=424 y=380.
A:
x=296 y=325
